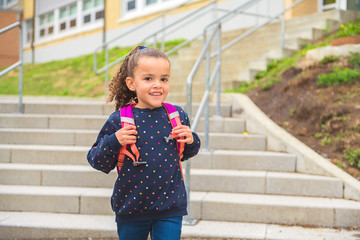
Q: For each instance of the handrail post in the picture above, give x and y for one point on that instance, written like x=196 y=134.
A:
x=187 y=220
x=107 y=69
x=218 y=83
x=283 y=28
x=155 y=42
x=20 y=107
x=207 y=88
x=163 y=35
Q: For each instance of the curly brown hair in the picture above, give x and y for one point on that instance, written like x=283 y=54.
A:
x=118 y=89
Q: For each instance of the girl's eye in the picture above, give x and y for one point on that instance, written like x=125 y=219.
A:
x=164 y=79
x=148 y=78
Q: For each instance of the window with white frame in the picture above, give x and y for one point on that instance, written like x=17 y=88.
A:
x=46 y=24
x=327 y=5
x=4 y=4
x=81 y=15
x=29 y=30
x=141 y=7
x=67 y=17
x=93 y=10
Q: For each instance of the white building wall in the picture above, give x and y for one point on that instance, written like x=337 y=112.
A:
x=86 y=45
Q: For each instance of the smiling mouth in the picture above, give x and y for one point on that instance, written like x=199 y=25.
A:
x=155 y=94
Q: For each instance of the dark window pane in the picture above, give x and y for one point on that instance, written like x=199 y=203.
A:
x=131 y=5
x=73 y=23
x=42 y=32
x=99 y=15
x=87 y=18
x=51 y=30
x=325 y=2
x=62 y=26
x=28 y=37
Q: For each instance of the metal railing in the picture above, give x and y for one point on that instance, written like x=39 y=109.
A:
x=18 y=63
x=165 y=29
x=206 y=55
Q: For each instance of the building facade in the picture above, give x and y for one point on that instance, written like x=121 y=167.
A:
x=59 y=29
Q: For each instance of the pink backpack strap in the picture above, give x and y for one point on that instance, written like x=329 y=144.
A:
x=175 y=121
x=127 y=118
x=126 y=115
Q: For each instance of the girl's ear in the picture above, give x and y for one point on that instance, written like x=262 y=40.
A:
x=130 y=83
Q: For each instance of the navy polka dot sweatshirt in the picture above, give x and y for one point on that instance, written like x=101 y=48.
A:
x=152 y=191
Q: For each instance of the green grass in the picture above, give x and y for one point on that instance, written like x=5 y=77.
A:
x=338 y=76
x=75 y=77
x=70 y=77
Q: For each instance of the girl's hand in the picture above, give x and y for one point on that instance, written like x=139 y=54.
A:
x=126 y=135
x=184 y=131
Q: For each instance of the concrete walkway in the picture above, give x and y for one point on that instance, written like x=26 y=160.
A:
x=28 y=224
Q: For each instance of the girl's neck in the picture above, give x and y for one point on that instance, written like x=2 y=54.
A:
x=147 y=108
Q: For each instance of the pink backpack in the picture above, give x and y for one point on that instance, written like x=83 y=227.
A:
x=127 y=118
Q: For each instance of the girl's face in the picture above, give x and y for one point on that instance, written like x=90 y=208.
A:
x=150 y=82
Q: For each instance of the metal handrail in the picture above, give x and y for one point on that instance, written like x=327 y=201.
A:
x=209 y=81
x=18 y=63
x=271 y=19
x=180 y=22
x=187 y=18
x=154 y=34
x=105 y=44
x=206 y=50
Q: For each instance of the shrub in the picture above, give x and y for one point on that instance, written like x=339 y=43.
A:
x=353 y=156
x=349 y=29
x=338 y=76
x=354 y=60
x=329 y=59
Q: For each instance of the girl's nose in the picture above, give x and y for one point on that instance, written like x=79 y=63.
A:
x=157 y=83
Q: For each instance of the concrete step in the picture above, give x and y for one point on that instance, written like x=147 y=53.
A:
x=88 y=137
x=218 y=159
x=287 y=210
x=330 y=212
x=205 y=180
x=36 y=225
x=47 y=136
x=95 y=122
x=52 y=121
x=55 y=175
x=77 y=107
x=233 y=141
x=245 y=160
x=43 y=154
x=261 y=182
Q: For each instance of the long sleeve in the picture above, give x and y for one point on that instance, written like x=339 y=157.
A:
x=103 y=153
x=190 y=149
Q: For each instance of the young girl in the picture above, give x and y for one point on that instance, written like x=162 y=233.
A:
x=148 y=197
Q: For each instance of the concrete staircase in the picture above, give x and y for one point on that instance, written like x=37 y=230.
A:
x=48 y=190
x=252 y=54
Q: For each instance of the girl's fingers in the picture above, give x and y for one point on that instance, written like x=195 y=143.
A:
x=126 y=135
